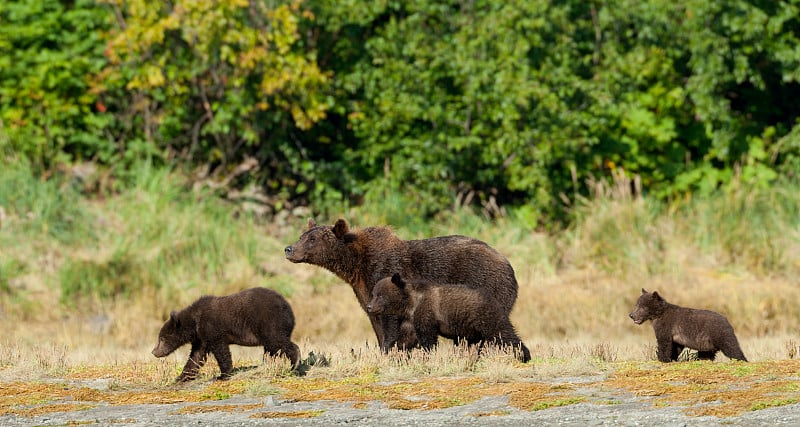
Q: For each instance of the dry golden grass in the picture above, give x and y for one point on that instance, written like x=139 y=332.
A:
x=574 y=320
x=722 y=389
x=574 y=315
x=734 y=387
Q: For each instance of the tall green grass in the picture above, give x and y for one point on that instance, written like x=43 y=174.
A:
x=750 y=228
x=42 y=208
x=162 y=239
x=740 y=228
x=156 y=238
x=159 y=236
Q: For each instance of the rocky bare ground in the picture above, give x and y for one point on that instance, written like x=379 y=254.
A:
x=600 y=406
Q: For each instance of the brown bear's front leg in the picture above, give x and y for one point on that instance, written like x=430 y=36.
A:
x=427 y=330
x=197 y=358
x=222 y=353
x=377 y=326
x=664 y=349
x=391 y=331
x=407 y=338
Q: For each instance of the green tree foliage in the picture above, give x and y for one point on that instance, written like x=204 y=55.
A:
x=527 y=99
x=50 y=54
x=216 y=81
x=494 y=103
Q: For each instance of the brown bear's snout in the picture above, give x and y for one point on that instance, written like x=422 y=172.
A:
x=288 y=251
x=159 y=350
x=371 y=309
x=637 y=321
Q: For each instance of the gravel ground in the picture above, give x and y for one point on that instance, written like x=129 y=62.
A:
x=619 y=409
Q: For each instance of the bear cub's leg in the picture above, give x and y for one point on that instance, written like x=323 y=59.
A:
x=222 y=353
x=197 y=358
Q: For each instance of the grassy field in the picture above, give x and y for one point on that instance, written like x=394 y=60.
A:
x=86 y=282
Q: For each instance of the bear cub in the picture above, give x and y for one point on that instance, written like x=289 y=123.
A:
x=253 y=317
x=452 y=311
x=679 y=327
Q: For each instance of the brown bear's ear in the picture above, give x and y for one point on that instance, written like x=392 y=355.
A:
x=311 y=224
x=173 y=316
x=643 y=291
x=340 y=228
x=397 y=280
x=657 y=296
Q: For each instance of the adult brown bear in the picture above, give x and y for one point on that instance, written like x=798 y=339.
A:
x=362 y=257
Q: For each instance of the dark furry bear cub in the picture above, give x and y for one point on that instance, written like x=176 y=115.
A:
x=253 y=317
x=452 y=311
x=679 y=327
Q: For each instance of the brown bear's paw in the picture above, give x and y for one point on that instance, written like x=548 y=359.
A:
x=223 y=377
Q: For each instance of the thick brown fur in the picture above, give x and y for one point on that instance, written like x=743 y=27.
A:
x=677 y=328
x=452 y=311
x=253 y=317
x=362 y=257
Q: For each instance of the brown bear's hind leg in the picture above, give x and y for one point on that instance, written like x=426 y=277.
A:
x=222 y=353
x=288 y=349
x=734 y=352
x=707 y=355
x=508 y=337
x=523 y=354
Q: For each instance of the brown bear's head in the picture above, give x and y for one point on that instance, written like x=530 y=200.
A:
x=649 y=306
x=319 y=244
x=389 y=296
x=173 y=334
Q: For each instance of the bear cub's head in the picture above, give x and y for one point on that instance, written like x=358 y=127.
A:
x=389 y=296
x=172 y=335
x=649 y=306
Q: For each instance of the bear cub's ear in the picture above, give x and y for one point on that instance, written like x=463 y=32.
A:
x=643 y=291
x=397 y=280
x=311 y=224
x=656 y=296
x=340 y=228
x=173 y=316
